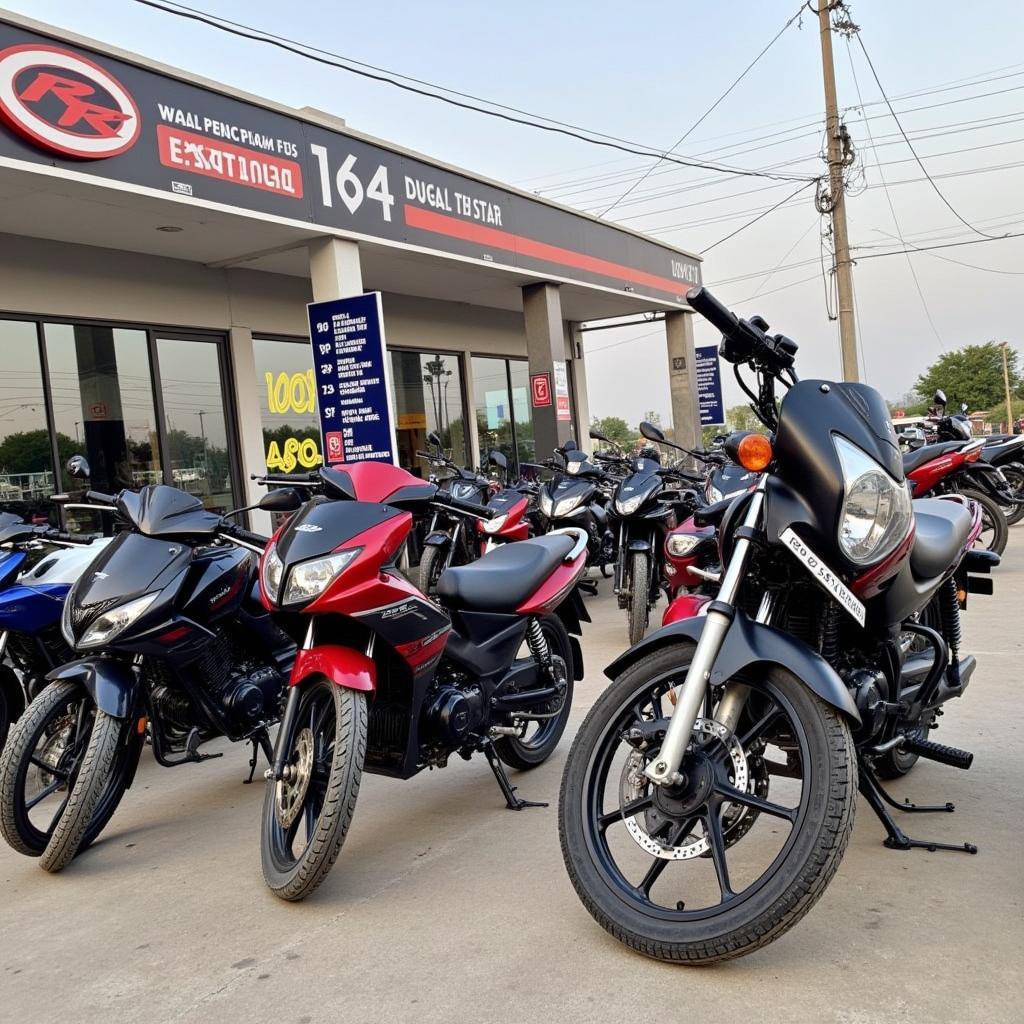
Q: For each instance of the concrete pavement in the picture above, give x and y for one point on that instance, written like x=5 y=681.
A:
x=445 y=907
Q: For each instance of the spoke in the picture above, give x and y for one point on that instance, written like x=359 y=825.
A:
x=713 y=824
x=759 y=726
x=309 y=817
x=736 y=796
x=44 y=793
x=627 y=811
x=317 y=723
x=50 y=769
x=675 y=837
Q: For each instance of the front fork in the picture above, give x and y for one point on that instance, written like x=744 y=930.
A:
x=664 y=770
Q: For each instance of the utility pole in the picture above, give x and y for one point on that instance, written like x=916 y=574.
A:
x=836 y=163
x=1006 y=383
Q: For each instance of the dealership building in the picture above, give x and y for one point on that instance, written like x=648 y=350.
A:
x=160 y=239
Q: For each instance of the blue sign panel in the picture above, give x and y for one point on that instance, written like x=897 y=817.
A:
x=350 y=363
x=709 y=386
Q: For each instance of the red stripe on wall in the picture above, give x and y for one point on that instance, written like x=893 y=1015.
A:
x=495 y=238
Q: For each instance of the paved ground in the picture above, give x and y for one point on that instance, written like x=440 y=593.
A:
x=445 y=907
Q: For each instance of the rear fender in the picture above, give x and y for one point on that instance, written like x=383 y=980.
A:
x=112 y=685
x=343 y=666
x=750 y=643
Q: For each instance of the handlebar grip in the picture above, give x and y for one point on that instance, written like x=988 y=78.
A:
x=248 y=536
x=469 y=507
x=712 y=310
x=99 y=496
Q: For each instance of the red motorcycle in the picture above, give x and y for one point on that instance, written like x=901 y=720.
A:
x=386 y=679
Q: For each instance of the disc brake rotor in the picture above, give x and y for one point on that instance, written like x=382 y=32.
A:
x=50 y=753
x=634 y=783
x=291 y=792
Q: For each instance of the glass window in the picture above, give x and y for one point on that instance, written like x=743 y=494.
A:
x=493 y=406
x=428 y=397
x=196 y=421
x=291 y=425
x=103 y=408
x=26 y=455
x=526 y=448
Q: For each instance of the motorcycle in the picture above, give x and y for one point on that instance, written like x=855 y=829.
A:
x=1006 y=453
x=448 y=541
x=644 y=510
x=171 y=642
x=388 y=681
x=510 y=505
x=576 y=496
x=755 y=721
x=38 y=564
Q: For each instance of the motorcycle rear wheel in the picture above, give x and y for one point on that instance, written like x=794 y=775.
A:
x=327 y=749
x=640 y=913
x=995 y=531
x=1015 y=477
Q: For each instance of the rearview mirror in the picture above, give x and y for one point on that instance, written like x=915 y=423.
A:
x=964 y=407
x=939 y=398
x=651 y=432
x=78 y=466
x=281 y=499
x=498 y=459
x=596 y=435
x=570 y=445
x=435 y=439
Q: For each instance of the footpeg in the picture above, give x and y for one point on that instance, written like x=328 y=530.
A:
x=952 y=756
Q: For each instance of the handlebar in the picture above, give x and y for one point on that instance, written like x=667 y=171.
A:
x=245 y=536
x=99 y=496
x=470 y=508
x=301 y=479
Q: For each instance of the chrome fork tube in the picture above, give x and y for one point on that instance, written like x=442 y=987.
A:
x=664 y=769
x=730 y=707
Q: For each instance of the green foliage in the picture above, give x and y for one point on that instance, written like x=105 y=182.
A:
x=30 y=452
x=997 y=414
x=972 y=374
x=616 y=429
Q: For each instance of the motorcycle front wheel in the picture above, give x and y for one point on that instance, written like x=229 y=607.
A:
x=306 y=816
x=736 y=854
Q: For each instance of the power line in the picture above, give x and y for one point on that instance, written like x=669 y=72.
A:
x=910 y=145
x=760 y=216
x=947 y=245
x=529 y=120
x=689 y=131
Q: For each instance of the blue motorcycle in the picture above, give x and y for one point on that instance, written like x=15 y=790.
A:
x=38 y=565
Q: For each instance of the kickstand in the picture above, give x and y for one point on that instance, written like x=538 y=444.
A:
x=513 y=802
x=261 y=741
x=896 y=838
x=910 y=808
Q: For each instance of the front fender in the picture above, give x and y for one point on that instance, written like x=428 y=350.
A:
x=751 y=643
x=437 y=539
x=342 y=665
x=639 y=545
x=112 y=685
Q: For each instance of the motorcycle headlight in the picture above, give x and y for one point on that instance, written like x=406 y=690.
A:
x=573 y=467
x=310 y=579
x=273 y=570
x=564 y=507
x=714 y=494
x=877 y=510
x=545 y=503
x=681 y=544
x=494 y=525
x=105 y=627
x=627 y=506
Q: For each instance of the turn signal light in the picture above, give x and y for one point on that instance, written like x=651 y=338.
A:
x=754 y=452
x=973 y=456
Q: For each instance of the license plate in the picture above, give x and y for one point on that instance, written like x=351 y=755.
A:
x=824 y=575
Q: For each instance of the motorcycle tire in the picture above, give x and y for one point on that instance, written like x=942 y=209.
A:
x=99 y=782
x=1015 y=477
x=639 y=596
x=431 y=567
x=993 y=519
x=820 y=825
x=326 y=810
x=534 y=749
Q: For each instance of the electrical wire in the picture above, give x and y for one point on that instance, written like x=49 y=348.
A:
x=689 y=131
x=528 y=120
x=947 y=245
x=760 y=216
x=910 y=145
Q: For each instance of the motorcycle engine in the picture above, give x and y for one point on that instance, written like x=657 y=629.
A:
x=452 y=710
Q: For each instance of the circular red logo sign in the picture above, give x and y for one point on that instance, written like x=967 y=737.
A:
x=64 y=103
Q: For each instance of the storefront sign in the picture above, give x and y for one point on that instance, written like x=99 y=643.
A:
x=351 y=368
x=561 y=391
x=709 y=386
x=96 y=115
x=540 y=386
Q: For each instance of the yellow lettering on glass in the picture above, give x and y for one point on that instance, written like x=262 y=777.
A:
x=294 y=452
x=295 y=392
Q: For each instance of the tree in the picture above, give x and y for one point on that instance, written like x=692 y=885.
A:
x=29 y=451
x=616 y=429
x=972 y=374
x=997 y=414
x=739 y=417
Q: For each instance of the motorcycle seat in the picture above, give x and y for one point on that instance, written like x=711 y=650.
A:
x=911 y=460
x=504 y=578
x=942 y=531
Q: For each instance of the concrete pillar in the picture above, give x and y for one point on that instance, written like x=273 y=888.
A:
x=578 y=369
x=545 y=345
x=250 y=421
x=472 y=433
x=682 y=375
x=334 y=268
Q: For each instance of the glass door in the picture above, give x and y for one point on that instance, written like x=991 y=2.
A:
x=199 y=440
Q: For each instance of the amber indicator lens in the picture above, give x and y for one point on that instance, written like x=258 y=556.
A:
x=754 y=452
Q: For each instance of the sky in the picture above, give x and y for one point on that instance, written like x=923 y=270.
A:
x=647 y=72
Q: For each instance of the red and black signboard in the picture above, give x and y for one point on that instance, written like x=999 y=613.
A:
x=91 y=113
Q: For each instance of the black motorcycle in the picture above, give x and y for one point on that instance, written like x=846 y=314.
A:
x=751 y=722
x=172 y=642
x=645 y=508
x=577 y=495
